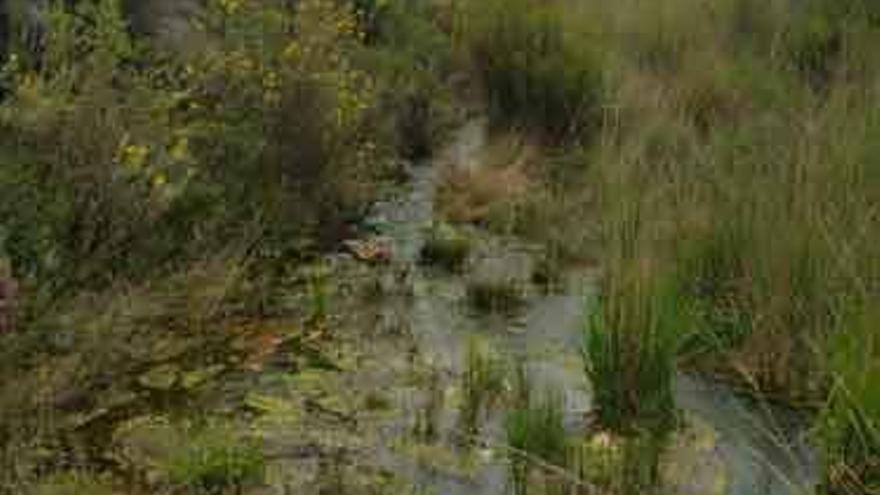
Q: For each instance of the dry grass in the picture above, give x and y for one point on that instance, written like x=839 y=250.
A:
x=486 y=192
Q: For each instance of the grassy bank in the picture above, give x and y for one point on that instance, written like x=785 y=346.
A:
x=731 y=151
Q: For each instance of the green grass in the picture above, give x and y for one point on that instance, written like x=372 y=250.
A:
x=482 y=383
x=213 y=460
x=736 y=182
x=851 y=424
x=535 y=431
x=632 y=336
x=427 y=424
x=632 y=367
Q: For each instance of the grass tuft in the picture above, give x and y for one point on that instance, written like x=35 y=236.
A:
x=482 y=383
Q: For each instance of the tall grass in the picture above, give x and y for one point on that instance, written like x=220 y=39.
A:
x=737 y=181
x=535 y=431
x=537 y=70
x=215 y=459
x=769 y=207
x=631 y=340
x=482 y=383
x=850 y=426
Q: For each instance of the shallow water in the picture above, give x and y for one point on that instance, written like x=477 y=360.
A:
x=761 y=449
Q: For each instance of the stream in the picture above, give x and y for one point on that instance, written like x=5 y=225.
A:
x=753 y=448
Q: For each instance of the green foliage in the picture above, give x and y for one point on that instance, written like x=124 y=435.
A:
x=535 y=431
x=714 y=272
x=78 y=184
x=427 y=425
x=824 y=38
x=851 y=424
x=412 y=57
x=213 y=460
x=318 y=295
x=120 y=162
x=632 y=338
x=446 y=247
x=482 y=383
x=537 y=71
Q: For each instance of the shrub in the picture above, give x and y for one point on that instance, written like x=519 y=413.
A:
x=88 y=157
x=411 y=56
x=446 y=247
x=496 y=295
x=536 y=70
x=120 y=162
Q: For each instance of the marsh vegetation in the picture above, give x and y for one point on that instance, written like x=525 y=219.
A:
x=428 y=246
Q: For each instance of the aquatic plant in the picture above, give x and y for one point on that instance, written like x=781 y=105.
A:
x=630 y=348
x=536 y=431
x=318 y=287
x=427 y=425
x=213 y=459
x=482 y=383
x=446 y=247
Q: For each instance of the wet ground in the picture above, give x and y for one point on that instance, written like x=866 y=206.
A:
x=409 y=327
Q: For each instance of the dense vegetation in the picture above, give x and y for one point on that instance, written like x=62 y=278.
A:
x=734 y=167
x=718 y=159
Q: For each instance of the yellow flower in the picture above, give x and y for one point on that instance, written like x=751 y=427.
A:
x=230 y=7
x=159 y=180
x=134 y=156
x=271 y=80
x=180 y=151
x=293 y=50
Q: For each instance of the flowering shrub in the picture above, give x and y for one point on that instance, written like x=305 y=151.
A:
x=119 y=159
